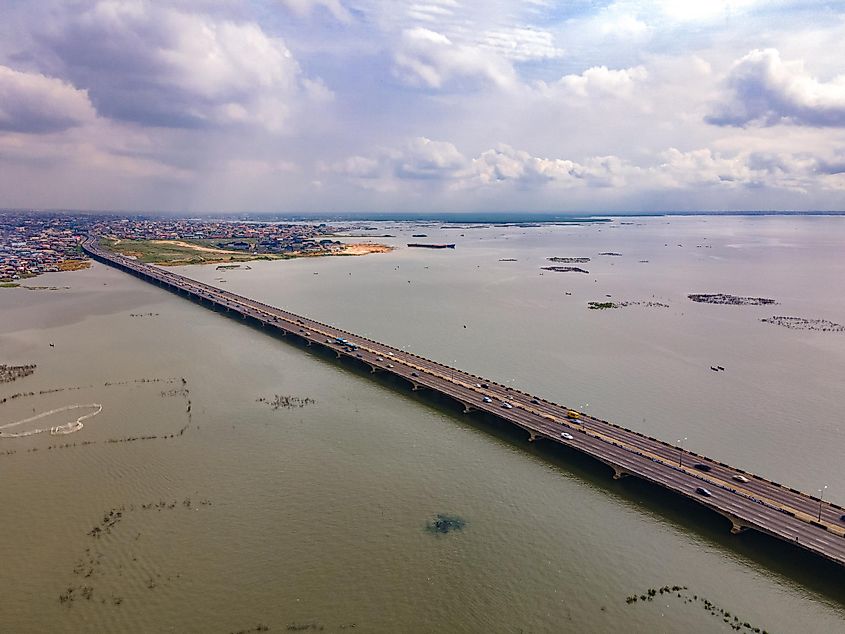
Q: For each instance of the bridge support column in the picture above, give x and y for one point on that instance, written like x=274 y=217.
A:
x=618 y=473
x=532 y=436
x=736 y=527
x=468 y=408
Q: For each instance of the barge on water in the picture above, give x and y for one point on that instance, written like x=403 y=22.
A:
x=431 y=246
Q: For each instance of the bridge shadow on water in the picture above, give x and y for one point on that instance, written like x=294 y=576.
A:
x=793 y=564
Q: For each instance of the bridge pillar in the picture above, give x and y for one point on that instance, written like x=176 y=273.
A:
x=532 y=436
x=415 y=387
x=468 y=408
x=736 y=527
x=618 y=473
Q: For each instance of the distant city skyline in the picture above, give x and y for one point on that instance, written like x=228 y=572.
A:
x=441 y=106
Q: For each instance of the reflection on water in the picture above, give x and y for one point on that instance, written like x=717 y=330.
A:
x=192 y=503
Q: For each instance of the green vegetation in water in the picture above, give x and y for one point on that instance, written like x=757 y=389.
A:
x=601 y=305
x=171 y=254
x=445 y=524
x=681 y=592
x=9 y=285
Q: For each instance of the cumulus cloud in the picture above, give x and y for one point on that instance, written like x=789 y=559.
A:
x=505 y=163
x=440 y=163
x=776 y=170
x=430 y=59
x=154 y=65
x=424 y=158
x=599 y=81
x=763 y=89
x=31 y=102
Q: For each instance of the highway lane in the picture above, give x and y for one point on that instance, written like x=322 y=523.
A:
x=758 y=503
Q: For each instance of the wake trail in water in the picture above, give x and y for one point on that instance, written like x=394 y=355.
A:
x=57 y=430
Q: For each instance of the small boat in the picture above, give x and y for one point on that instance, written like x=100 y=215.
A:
x=720 y=367
x=431 y=246
x=714 y=368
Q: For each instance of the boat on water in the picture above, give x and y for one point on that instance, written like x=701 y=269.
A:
x=431 y=246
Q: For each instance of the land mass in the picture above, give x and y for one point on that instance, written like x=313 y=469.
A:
x=184 y=252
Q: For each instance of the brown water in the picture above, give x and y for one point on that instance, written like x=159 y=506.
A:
x=315 y=516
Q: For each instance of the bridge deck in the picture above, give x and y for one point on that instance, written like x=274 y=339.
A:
x=747 y=500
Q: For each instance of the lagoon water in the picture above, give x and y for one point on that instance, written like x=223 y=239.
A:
x=315 y=517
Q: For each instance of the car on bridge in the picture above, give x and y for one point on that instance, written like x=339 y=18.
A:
x=740 y=478
x=567 y=435
x=703 y=491
x=702 y=467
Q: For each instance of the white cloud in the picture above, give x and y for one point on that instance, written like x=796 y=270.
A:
x=599 y=81
x=764 y=89
x=521 y=44
x=32 y=102
x=430 y=59
x=441 y=164
x=154 y=65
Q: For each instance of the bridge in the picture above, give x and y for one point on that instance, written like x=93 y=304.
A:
x=746 y=500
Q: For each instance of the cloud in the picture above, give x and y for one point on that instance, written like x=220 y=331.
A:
x=34 y=103
x=505 y=163
x=742 y=170
x=599 y=81
x=154 y=65
x=431 y=60
x=441 y=164
x=424 y=158
x=765 y=90
x=521 y=44
x=306 y=7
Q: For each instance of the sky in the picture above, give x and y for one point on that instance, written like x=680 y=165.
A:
x=326 y=106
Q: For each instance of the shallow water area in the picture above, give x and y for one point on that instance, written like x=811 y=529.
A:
x=234 y=513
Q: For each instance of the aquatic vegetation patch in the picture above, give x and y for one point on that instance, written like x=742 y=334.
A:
x=625 y=304
x=90 y=566
x=730 y=300
x=569 y=260
x=9 y=373
x=286 y=402
x=445 y=524
x=564 y=269
x=799 y=323
x=682 y=593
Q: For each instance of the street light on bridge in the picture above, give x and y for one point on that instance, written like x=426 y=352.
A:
x=681 y=451
x=821 y=496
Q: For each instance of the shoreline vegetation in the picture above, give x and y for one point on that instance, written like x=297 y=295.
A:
x=182 y=252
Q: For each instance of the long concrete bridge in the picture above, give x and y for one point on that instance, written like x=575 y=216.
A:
x=748 y=501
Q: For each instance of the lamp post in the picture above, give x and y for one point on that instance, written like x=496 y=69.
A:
x=681 y=451
x=821 y=496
